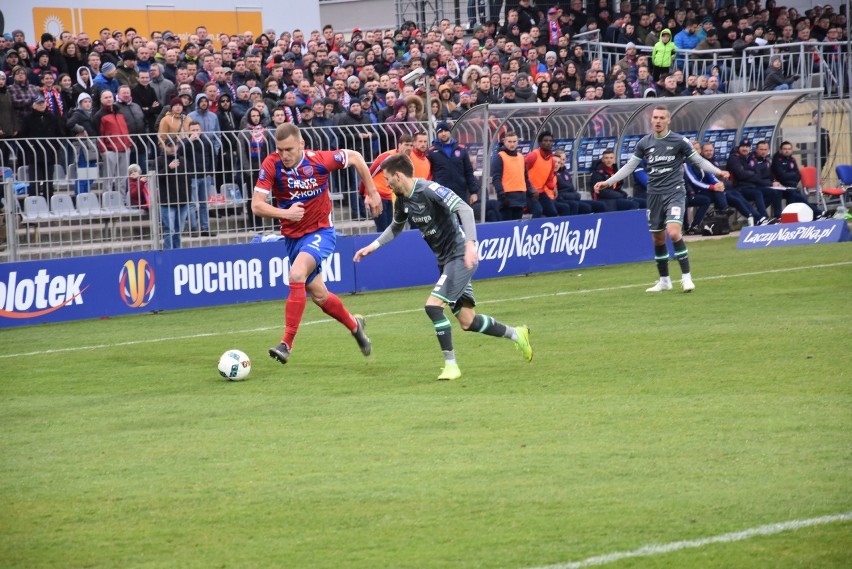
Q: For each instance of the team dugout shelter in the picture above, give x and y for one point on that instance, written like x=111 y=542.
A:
x=584 y=130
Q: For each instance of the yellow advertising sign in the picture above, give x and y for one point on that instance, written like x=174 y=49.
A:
x=180 y=22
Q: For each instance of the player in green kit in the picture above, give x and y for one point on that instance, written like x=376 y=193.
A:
x=447 y=224
x=665 y=152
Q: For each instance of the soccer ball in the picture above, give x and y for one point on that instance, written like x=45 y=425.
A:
x=234 y=365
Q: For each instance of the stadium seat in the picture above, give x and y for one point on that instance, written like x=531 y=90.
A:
x=114 y=204
x=62 y=206
x=812 y=185
x=88 y=205
x=844 y=172
x=60 y=179
x=36 y=210
x=21 y=181
x=232 y=193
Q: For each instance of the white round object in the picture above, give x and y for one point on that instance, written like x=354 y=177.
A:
x=234 y=365
x=801 y=210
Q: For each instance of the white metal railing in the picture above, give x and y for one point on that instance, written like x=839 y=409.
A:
x=823 y=65
x=69 y=197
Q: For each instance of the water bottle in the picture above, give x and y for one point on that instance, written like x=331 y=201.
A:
x=840 y=213
x=750 y=221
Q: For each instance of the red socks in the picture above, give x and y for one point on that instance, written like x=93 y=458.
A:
x=294 y=308
x=333 y=306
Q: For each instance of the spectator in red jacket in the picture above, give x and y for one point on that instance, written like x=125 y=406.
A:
x=114 y=142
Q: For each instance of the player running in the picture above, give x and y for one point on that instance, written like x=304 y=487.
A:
x=436 y=211
x=298 y=180
x=665 y=153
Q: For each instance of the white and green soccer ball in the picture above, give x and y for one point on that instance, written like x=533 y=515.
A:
x=234 y=365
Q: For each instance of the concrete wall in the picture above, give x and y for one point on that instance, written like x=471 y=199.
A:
x=180 y=16
x=345 y=15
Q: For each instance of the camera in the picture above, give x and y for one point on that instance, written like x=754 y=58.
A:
x=410 y=78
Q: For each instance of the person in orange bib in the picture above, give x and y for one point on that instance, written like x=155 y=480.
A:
x=422 y=166
x=510 y=179
x=542 y=172
x=405 y=144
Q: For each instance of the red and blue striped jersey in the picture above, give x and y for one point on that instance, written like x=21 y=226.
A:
x=307 y=184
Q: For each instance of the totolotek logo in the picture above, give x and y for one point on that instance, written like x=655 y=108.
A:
x=136 y=283
x=40 y=295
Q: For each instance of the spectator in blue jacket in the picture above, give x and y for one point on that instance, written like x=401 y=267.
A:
x=688 y=37
x=104 y=81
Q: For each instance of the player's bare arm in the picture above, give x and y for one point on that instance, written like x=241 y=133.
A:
x=471 y=255
x=259 y=206
x=372 y=200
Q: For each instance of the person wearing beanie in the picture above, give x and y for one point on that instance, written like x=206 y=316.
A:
x=241 y=103
x=126 y=72
x=550 y=61
x=174 y=125
x=451 y=165
x=47 y=127
x=524 y=92
x=710 y=41
x=204 y=150
x=104 y=81
x=48 y=45
x=775 y=78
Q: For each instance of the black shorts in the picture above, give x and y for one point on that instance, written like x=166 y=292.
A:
x=664 y=209
x=454 y=286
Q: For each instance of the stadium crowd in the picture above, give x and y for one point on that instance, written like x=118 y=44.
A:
x=122 y=87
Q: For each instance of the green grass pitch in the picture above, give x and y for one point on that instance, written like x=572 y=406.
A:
x=643 y=419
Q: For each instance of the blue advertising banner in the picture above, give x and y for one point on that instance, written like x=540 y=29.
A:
x=36 y=292
x=516 y=248
x=784 y=234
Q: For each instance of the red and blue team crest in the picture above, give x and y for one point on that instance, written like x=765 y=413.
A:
x=308 y=170
x=340 y=156
x=458 y=153
x=262 y=176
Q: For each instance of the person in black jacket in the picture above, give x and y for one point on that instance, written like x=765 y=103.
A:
x=753 y=179
x=196 y=155
x=173 y=194
x=451 y=165
x=614 y=198
x=568 y=199
x=47 y=127
x=356 y=133
x=229 y=124
x=146 y=97
x=786 y=172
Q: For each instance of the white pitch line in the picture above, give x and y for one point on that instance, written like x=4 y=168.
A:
x=395 y=312
x=660 y=549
